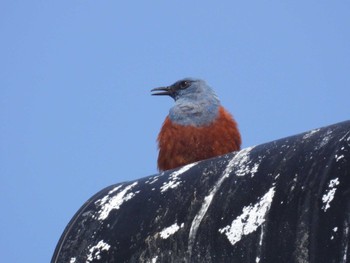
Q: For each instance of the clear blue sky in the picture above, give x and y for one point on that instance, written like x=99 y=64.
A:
x=76 y=113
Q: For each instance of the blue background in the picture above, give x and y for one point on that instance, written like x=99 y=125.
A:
x=76 y=113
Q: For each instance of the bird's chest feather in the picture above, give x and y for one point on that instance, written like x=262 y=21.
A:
x=183 y=144
x=180 y=144
x=214 y=138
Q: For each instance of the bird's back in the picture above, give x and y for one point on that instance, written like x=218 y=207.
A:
x=180 y=145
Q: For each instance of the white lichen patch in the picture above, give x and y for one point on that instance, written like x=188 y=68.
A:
x=115 y=189
x=251 y=218
x=109 y=203
x=339 y=157
x=329 y=195
x=244 y=164
x=345 y=137
x=171 y=230
x=152 y=180
x=325 y=140
x=254 y=169
x=261 y=236
x=174 y=180
x=309 y=134
x=154 y=259
x=95 y=251
x=345 y=241
x=335 y=229
x=258 y=256
x=239 y=159
x=294 y=182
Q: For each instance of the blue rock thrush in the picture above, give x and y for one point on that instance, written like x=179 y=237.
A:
x=197 y=127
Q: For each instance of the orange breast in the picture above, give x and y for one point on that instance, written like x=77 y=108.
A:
x=180 y=145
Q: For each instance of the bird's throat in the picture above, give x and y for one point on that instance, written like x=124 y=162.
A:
x=194 y=115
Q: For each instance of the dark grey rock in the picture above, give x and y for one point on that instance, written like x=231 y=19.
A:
x=283 y=201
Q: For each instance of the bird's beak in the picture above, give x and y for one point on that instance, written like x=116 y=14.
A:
x=163 y=91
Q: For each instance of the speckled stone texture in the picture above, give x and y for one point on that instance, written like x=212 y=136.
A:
x=283 y=201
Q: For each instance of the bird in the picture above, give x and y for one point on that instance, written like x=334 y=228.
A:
x=197 y=127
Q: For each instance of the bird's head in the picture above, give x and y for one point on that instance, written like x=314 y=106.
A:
x=187 y=89
x=195 y=102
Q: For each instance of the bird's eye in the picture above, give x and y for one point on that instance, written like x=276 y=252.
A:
x=184 y=84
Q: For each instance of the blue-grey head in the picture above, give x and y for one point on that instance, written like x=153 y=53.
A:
x=196 y=104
